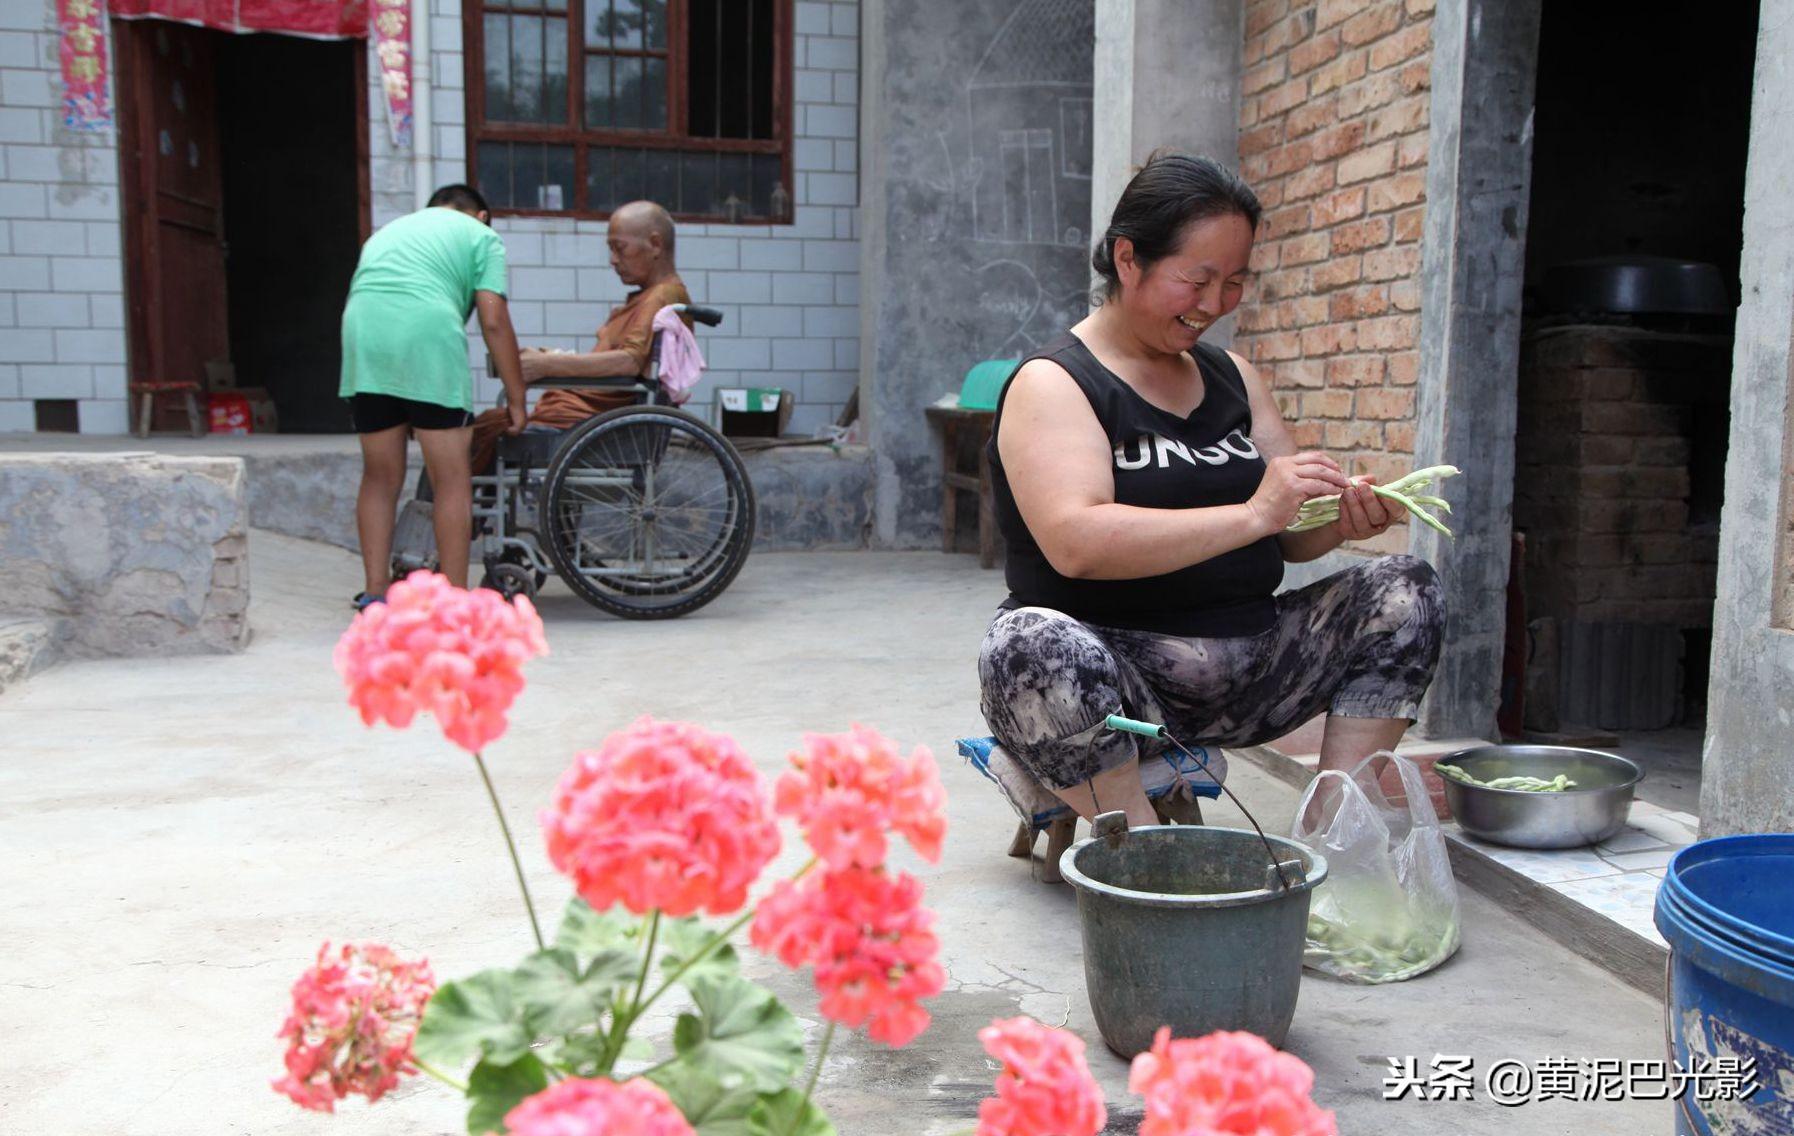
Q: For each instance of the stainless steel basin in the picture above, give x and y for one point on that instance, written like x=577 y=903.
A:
x=1588 y=814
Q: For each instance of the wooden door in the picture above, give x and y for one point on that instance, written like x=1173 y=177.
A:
x=174 y=199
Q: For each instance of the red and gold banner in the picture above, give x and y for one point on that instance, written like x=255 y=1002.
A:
x=392 y=47
x=85 y=105
x=320 y=19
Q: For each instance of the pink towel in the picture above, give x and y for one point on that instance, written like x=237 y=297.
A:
x=681 y=363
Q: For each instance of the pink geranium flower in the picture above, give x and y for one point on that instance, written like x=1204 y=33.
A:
x=870 y=940
x=585 y=1106
x=662 y=815
x=1045 y=1088
x=354 y=1016
x=848 y=790
x=1225 y=1084
x=433 y=647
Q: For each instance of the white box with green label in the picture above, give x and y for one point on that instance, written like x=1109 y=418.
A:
x=740 y=399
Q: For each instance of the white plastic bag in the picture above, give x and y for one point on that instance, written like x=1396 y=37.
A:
x=1389 y=907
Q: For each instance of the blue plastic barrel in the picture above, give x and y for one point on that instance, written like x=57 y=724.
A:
x=1726 y=909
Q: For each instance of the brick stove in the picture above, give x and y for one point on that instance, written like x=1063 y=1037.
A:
x=1619 y=463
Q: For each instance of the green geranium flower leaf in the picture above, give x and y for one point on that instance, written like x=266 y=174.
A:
x=713 y=1105
x=787 y=1113
x=740 y=1029
x=559 y=996
x=587 y=932
x=684 y=938
x=494 y=1090
x=478 y=1016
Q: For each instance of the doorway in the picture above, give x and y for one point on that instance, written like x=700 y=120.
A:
x=246 y=204
x=1630 y=289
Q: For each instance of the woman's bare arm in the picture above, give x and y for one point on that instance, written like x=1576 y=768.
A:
x=1060 y=468
x=544 y=365
x=1272 y=437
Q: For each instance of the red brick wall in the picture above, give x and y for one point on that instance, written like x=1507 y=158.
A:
x=1602 y=454
x=1333 y=137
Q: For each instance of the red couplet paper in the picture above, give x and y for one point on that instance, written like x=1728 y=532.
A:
x=83 y=51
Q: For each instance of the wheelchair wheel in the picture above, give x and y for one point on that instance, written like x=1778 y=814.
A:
x=647 y=512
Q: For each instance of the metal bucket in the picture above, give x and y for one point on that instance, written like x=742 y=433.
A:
x=1193 y=928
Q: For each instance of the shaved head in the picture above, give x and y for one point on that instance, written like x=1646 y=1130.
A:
x=644 y=219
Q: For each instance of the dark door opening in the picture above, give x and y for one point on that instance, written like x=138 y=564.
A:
x=245 y=184
x=1641 y=131
x=289 y=114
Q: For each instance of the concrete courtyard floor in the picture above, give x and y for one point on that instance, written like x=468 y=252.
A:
x=177 y=836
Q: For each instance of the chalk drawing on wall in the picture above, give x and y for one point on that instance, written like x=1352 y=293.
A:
x=1017 y=311
x=1028 y=105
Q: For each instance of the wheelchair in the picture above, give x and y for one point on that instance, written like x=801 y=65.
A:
x=645 y=511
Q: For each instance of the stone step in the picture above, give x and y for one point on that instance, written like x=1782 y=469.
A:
x=1597 y=902
x=26 y=647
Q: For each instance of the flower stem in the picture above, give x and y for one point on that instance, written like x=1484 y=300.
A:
x=511 y=847
x=426 y=1068
x=721 y=937
x=647 y=961
x=828 y=1035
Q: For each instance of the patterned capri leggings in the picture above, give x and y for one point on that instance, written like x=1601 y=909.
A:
x=1361 y=644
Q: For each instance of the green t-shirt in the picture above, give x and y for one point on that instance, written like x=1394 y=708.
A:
x=404 y=327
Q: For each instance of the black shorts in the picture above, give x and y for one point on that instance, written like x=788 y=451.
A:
x=373 y=413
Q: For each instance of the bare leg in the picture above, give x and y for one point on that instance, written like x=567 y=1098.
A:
x=446 y=458
x=1347 y=741
x=1344 y=743
x=382 y=476
x=1109 y=791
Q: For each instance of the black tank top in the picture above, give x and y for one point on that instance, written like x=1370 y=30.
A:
x=1162 y=461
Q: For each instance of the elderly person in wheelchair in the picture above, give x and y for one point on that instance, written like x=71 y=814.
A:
x=643 y=510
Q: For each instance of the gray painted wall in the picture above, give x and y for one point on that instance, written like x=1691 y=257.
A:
x=1473 y=251
x=1747 y=779
x=1140 y=45
x=976 y=127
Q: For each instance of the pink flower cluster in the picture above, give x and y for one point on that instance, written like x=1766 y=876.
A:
x=585 y=1106
x=846 y=790
x=354 y=1016
x=870 y=940
x=662 y=815
x=433 y=647
x=1045 y=1088
x=1225 y=1084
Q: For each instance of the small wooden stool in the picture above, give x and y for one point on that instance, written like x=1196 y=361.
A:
x=952 y=420
x=1171 y=808
x=148 y=390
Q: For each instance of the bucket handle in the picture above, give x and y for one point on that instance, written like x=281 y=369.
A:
x=1155 y=730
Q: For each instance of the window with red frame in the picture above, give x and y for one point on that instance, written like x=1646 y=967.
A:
x=576 y=106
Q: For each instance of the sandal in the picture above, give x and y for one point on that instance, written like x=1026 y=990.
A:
x=363 y=601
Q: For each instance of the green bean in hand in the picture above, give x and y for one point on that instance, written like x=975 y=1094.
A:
x=1319 y=511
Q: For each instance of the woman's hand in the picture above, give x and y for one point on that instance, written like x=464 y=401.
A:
x=1291 y=480
x=1363 y=514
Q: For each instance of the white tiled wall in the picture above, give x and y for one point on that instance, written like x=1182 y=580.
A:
x=61 y=276
x=789 y=293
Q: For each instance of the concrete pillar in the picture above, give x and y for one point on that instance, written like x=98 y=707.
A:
x=1167 y=75
x=1747 y=779
x=975 y=213
x=1479 y=167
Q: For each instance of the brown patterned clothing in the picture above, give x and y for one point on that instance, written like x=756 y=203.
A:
x=630 y=328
